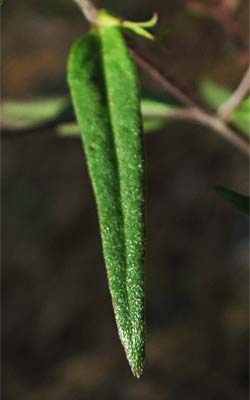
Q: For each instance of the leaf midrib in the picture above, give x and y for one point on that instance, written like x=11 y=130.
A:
x=108 y=100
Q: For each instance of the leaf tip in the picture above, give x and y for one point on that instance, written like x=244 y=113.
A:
x=136 y=374
x=136 y=361
x=137 y=370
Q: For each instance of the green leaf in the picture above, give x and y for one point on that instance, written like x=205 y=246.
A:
x=72 y=130
x=104 y=89
x=239 y=200
x=156 y=108
x=155 y=113
x=215 y=95
x=241 y=117
x=152 y=125
x=140 y=28
x=68 y=130
x=24 y=114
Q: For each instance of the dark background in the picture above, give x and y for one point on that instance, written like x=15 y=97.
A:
x=59 y=337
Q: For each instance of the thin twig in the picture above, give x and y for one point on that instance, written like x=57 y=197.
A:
x=89 y=10
x=193 y=111
x=158 y=77
x=189 y=114
x=234 y=101
x=201 y=117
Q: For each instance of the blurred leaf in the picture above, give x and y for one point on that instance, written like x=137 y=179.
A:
x=215 y=95
x=241 y=116
x=239 y=200
x=68 y=130
x=154 y=108
x=155 y=112
x=152 y=125
x=22 y=114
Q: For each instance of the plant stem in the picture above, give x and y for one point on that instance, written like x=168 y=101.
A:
x=192 y=112
x=89 y=10
x=158 y=77
x=189 y=114
x=213 y=122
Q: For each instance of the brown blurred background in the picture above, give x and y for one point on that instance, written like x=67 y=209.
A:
x=59 y=336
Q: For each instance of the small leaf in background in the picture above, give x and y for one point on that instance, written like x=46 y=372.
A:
x=215 y=95
x=155 y=108
x=152 y=125
x=240 y=201
x=155 y=112
x=68 y=130
x=241 y=117
x=24 y=114
x=104 y=89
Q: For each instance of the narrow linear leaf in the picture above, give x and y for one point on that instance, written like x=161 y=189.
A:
x=239 y=200
x=105 y=94
x=24 y=114
x=124 y=107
